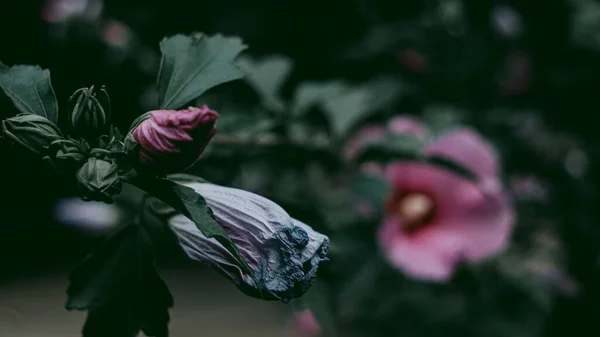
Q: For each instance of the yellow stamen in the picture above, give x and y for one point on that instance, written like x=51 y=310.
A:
x=414 y=209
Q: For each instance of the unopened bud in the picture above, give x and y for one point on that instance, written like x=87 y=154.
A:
x=31 y=131
x=89 y=119
x=99 y=180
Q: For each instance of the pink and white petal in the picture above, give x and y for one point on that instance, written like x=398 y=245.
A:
x=467 y=148
x=431 y=254
x=408 y=125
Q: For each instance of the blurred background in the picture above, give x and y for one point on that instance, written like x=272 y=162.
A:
x=534 y=65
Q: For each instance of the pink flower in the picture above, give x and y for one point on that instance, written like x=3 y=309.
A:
x=408 y=125
x=116 y=34
x=172 y=141
x=363 y=137
x=436 y=219
x=57 y=11
x=305 y=324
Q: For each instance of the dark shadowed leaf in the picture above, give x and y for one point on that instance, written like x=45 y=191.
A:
x=318 y=300
x=192 y=65
x=372 y=189
x=311 y=94
x=30 y=89
x=346 y=105
x=392 y=148
x=266 y=76
x=119 y=286
x=191 y=204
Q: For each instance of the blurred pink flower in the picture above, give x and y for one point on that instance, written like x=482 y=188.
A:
x=305 y=324
x=116 y=34
x=363 y=137
x=56 y=11
x=436 y=219
x=404 y=124
x=172 y=141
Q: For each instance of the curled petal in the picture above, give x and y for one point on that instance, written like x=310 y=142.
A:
x=171 y=141
x=284 y=253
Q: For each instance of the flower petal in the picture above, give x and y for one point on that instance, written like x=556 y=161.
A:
x=468 y=149
x=431 y=254
x=484 y=227
x=404 y=124
x=284 y=253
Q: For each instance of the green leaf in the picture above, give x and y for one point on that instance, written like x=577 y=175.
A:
x=192 y=65
x=440 y=118
x=266 y=76
x=119 y=286
x=354 y=290
x=311 y=94
x=393 y=148
x=346 y=105
x=30 y=89
x=191 y=204
x=371 y=188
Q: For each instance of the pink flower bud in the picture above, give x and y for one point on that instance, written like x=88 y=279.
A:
x=171 y=141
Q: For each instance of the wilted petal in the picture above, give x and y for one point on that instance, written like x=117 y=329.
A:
x=284 y=253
